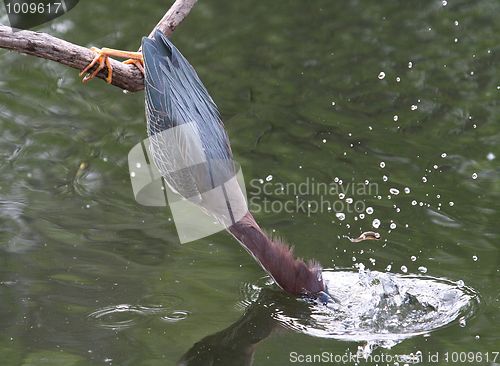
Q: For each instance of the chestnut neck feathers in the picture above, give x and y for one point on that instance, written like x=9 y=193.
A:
x=291 y=274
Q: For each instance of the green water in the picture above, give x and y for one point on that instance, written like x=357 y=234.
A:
x=89 y=277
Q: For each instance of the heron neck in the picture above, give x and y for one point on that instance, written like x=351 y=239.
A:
x=291 y=274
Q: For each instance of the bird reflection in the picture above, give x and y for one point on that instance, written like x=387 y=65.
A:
x=236 y=345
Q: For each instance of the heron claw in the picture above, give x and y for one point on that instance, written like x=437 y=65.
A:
x=138 y=63
x=102 y=58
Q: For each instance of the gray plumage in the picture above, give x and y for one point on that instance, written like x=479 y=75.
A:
x=188 y=142
x=176 y=96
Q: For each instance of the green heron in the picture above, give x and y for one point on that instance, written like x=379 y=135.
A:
x=184 y=124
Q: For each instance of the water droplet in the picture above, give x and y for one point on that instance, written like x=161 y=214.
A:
x=395 y=118
x=407 y=190
x=451 y=203
x=394 y=191
x=369 y=210
x=333 y=103
x=381 y=75
x=410 y=65
x=376 y=223
x=413 y=107
x=490 y=156
x=132 y=174
x=340 y=216
x=455 y=40
x=474 y=258
x=424 y=179
x=422 y=269
x=444 y=155
x=413 y=203
x=385 y=178
x=349 y=200
x=382 y=164
x=462 y=322
x=444 y=2
x=269 y=178
x=388 y=268
x=398 y=79
x=474 y=175
x=404 y=269
x=393 y=225
x=456 y=22
x=137 y=165
x=324 y=141
x=413 y=258
x=341 y=196
x=360 y=266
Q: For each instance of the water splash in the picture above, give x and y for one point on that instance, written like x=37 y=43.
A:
x=383 y=309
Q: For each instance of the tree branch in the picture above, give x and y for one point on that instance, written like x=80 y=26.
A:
x=52 y=48
x=42 y=45
x=174 y=16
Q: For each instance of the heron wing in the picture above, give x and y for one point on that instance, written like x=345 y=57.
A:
x=188 y=142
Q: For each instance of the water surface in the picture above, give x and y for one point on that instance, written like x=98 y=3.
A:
x=400 y=94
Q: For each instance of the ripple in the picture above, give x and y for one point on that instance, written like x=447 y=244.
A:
x=441 y=219
x=250 y=293
x=175 y=316
x=123 y=316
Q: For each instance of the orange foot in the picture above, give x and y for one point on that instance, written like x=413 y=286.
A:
x=102 y=58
